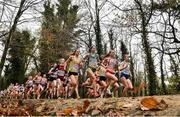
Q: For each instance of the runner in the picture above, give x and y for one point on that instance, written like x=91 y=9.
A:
x=37 y=80
x=101 y=73
x=111 y=64
x=29 y=86
x=92 y=59
x=52 y=81
x=21 y=91
x=74 y=64
x=14 y=91
x=125 y=74
x=42 y=85
x=61 y=81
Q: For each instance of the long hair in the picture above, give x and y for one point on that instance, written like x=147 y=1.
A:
x=74 y=52
x=108 y=54
x=91 y=48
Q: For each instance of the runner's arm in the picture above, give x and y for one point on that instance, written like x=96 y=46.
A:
x=85 y=58
x=122 y=66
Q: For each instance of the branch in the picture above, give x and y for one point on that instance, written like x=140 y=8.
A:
x=118 y=7
x=168 y=53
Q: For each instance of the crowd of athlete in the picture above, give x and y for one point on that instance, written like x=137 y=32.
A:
x=102 y=73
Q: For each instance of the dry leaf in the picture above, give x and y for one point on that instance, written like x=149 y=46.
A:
x=68 y=111
x=80 y=110
x=75 y=113
x=152 y=104
x=149 y=103
x=162 y=105
x=95 y=112
x=60 y=113
x=127 y=105
x=86 y=104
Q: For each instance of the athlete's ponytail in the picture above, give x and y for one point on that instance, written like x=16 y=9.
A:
x=74 y=53
x=108 y=54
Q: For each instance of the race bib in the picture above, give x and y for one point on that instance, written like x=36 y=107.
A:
x=75 y=67
x=61 y=73
x=93 y=62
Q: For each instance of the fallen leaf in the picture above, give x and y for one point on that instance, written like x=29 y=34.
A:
x=68 y=111
x=162 y=105
x=39 y=109
x=152 y=104
x=86 y=104
x=127 y=105
x=80 y=110
x=79 y=107
x=95 y=112
x=60 y=113
x=119 y=105
x=75 y=113
x=110 y=113
x=149 y=103
x=144 y=108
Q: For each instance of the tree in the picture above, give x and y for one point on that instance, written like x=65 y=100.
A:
x=123 y=50
x=111 y=39
x=18 y=15
x=21 y=8
x=145 y=16
x=20 y=51
x=46 y=40
x=58 y=33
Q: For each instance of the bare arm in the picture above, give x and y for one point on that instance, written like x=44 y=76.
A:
x=69 y=59
x=121 y=67
x=81 y=64
x=103 y=63
x=34 y=77
x=50 y=71
x=86 y=57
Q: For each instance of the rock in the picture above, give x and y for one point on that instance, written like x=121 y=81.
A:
x=95 y=112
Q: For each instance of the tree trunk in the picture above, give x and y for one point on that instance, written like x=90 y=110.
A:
x=132 y=70
x=149 y=61
x=105 y=48
x=36 y=64
x=98 y=31
x=151 y=74
x=111 y=40
x=131 y=66
x=12 y=30
x=174 y=66
x=162 y=74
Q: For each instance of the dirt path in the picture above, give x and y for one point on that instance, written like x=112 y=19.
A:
x=109 y=106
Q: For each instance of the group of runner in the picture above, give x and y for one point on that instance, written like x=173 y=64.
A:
x=13 y=91
x=102 y=73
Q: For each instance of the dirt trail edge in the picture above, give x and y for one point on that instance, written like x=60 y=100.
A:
x=123 y=106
